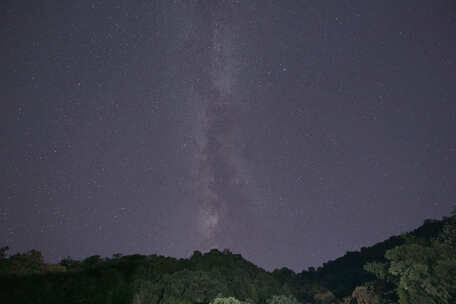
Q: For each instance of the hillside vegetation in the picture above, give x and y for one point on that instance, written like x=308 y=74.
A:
x=417 y=267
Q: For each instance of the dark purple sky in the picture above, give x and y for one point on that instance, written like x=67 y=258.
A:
x=287 y=131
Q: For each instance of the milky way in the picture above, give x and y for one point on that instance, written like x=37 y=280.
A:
x=219 y=173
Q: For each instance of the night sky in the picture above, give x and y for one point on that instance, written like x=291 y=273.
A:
x=287 y=131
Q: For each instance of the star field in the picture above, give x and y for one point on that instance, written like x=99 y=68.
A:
x=287 y=131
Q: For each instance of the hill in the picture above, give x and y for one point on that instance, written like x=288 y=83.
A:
x=373 y=275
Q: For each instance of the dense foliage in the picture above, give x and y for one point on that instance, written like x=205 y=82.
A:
x=135 y=279
x=418 y=267
x=422 y=270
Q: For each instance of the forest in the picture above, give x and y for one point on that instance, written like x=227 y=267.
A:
x=413 y=268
